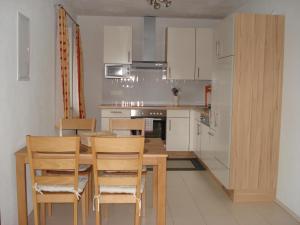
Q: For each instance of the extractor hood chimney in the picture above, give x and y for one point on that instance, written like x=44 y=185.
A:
x=149 y=55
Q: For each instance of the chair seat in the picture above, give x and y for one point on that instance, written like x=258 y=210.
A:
x=82 y=181
x=121 y=189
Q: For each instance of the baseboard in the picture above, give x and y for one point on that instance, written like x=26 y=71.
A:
x=287 y=209
x=252 y=196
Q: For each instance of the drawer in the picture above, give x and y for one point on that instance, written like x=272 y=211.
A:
x=178 y=113
x=116 y=113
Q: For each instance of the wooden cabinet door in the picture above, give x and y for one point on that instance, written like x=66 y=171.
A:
x=177 y=134
x=181 y=53
x=118 y=44
x=204 y=53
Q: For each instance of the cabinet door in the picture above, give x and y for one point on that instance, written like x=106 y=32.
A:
x=221 y=106
x=118 y=44
x=198 y=140
x=204 y=142
x=204 y=53
x=225 y=38
x=177 y=134
x=181 y=53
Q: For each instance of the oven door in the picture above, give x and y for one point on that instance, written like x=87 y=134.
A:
x=154 y=127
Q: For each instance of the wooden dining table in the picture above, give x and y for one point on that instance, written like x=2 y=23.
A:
x=152 y=157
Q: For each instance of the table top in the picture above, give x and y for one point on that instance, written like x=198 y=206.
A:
x=85 y=150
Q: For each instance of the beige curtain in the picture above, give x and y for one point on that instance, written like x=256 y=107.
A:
x=80 y=75
x=64 y=59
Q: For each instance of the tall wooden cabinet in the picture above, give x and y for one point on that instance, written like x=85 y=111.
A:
x=246 y=104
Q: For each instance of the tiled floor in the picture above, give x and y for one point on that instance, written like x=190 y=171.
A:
x=193 y=198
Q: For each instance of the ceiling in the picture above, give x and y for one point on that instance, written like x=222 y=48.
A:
x=179 y=8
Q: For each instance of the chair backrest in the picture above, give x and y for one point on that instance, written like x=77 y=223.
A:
x=53 y=153
x=77 y=124
x=127 y=124
x=122 y=154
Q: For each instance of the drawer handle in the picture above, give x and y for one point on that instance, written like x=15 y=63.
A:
x=170 y=126
x=129 y=56
x=116 y=112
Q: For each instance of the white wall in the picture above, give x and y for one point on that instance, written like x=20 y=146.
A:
x=26 y=107
x=288 y=189
x=92 y=43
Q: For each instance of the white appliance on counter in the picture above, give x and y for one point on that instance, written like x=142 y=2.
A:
x=116 y=70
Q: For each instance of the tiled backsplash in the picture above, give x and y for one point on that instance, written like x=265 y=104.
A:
x=147 y=86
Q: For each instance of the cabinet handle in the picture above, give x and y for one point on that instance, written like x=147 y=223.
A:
x=116 y=112
x=198 y=129
x=210 y=134
x=217 y=48
x=170 y=126
x=170 y=72
x=198 y=72
x=129 y=56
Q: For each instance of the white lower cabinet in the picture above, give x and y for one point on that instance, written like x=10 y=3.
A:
x=178 y=129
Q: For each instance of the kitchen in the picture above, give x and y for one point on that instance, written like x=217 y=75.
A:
x=209 y=85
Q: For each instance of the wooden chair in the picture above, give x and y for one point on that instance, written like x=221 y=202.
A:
x=137 y=125
x=120 y=154
x=127 y=125
x=79 y=125
x=56 y=153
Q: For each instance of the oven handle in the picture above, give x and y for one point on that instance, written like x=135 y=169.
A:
x=154 y=118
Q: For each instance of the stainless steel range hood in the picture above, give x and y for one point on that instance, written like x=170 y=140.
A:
x=149 y=55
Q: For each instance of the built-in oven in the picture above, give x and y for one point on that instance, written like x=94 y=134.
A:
x=155 y=122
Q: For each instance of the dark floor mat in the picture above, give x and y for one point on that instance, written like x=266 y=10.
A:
x=183 y=165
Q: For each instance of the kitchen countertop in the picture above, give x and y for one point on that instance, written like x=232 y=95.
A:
x=188 y=107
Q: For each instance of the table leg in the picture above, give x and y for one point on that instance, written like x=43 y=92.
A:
x=21 y=190
x=154 y=186
x=161 y=194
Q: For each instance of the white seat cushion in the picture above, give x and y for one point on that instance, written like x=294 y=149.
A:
x=121 y=189
x=83 y=167
x=82 y=181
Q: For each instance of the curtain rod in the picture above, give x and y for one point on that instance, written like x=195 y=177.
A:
x=68 y=14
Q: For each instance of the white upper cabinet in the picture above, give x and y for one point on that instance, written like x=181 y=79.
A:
x=225 y=38
x=118 y=44
x=181 y=47
x=204 y=53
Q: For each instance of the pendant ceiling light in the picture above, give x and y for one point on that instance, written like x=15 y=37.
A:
x=158 y=3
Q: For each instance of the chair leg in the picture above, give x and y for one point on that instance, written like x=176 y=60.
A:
x=36 y=210
x=98 y=217
x=75 y=211
x=84 y=200
x=49 y=209
x=86 y=190
x=137 y=214
x=43 y=213
x=144 y=201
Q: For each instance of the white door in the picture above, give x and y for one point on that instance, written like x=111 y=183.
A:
x=204 y=53
x=177 y=134
x=118 y=44
x=181 y=53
